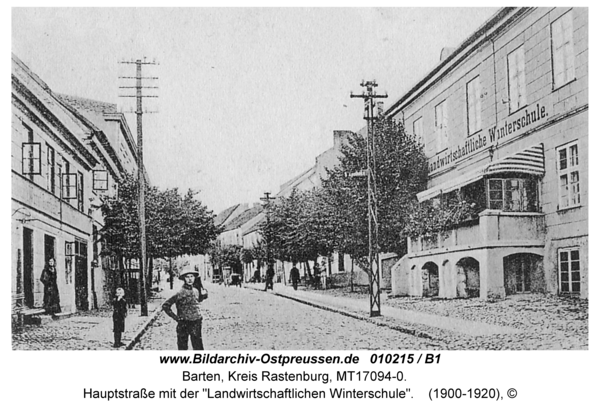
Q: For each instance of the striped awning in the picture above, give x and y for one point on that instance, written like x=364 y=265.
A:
x=529 y=161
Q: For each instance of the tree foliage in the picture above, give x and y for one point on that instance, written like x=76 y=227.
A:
x=176 y=224
x=226 y=256
x=438 y=215
x=308 y=224
x=300 y=227
x=400 y=172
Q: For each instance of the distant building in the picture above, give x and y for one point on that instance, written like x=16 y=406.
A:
x=63 y=160
x=311 y=179
x=504 y=122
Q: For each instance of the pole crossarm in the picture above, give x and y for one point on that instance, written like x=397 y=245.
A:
x=143 y=78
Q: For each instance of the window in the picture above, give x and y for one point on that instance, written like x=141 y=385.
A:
x=30 y=155
x=418 y=130
x=441 y=125
x=563 y=60
x=80 y=191
x=516 y=79
x=100 y=181
x=513 y=194
x=473 y=106
x=69 y=186
x=569 y=270
x=568 y=176
x=32 y=159
x=51 y=169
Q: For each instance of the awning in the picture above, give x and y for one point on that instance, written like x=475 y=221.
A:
x=529 y=161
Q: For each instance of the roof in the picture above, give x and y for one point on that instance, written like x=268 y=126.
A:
x=89 y=104
x=27 y=86
x=224 y=215
x=243 y=218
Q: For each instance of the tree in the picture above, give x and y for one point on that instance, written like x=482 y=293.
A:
x=226 y=256
x=176 y=225
x=400 y=173
x=300 y=227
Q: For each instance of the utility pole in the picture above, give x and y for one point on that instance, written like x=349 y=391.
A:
x=141 y=174
x=267 y=200
x=369 y=96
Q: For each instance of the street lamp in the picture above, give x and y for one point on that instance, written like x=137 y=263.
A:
x=369 y=97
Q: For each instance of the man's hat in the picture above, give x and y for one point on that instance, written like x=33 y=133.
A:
x=182 y=275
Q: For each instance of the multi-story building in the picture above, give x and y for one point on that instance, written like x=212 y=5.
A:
x=504 y=123
x=62 y=163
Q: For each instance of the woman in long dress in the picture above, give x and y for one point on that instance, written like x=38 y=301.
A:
x=51 y=296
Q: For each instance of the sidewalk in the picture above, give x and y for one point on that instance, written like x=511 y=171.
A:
x=88 y=330
x=413 y=322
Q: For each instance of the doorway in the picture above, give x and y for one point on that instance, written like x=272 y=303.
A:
x=523 y=273
x=81 y=276
x=49 y=246
x=28 y=267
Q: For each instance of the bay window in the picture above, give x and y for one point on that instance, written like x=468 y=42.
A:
x=512 y=194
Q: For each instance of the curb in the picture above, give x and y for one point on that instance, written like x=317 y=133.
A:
x=396 y=327
x=136 y=338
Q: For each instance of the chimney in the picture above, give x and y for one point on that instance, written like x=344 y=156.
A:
x=340 y=138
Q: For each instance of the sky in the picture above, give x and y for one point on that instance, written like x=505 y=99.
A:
x=248 y=97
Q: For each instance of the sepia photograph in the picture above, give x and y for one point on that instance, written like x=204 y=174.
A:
x=314 y=179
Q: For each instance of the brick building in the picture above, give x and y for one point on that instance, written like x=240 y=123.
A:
x=504 y=122
x=64 y=157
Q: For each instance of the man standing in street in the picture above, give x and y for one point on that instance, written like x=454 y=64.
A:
x=270 y=276
x=295 y=276
x=188 y=317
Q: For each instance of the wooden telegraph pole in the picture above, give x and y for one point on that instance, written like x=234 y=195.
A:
x=141 y=174
x=369 y=97
x=267 y=201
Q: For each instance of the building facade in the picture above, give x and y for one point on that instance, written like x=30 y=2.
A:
x=62 y=164
x=504 y=122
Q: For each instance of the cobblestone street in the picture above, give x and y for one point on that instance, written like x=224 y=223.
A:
x=546 y=321
x=245 y=319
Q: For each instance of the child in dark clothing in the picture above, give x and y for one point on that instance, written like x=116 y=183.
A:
x=119 y=314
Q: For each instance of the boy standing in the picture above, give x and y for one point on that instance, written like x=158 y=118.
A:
x=119 y=314
x=188 y=317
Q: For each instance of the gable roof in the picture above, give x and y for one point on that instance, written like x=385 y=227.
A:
x=243 y=218
x=89 y=104
x=224 y=215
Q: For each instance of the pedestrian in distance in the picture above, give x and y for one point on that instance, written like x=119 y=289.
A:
x=51 y=295
x=269 y=277
x=256 y=278
x=316 y=276
x=198 y=284
x=188 y=317
x=119 y=314
x=295 y=276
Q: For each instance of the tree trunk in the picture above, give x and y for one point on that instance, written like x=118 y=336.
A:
x=352 y=276
x=150 y=264
x=171 y=275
